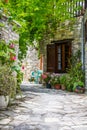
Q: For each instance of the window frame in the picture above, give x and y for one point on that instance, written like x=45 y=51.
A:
x=64 y=57
x=63 y=44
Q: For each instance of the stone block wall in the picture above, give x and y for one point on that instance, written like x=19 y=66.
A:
x=77 y=35
x=7 y=33
x=30 y=63
x=86 y=65
x=65 y=33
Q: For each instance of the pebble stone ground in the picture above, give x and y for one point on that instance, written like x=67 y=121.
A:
x=46 y=109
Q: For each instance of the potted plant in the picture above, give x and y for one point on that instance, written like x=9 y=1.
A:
x=69 y=83
x=79 y=87
x=19 y=76
x=46 y=79
x=63 y=81
x=55 y=82
x=7 y=85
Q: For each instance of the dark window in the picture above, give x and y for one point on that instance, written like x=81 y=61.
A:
x=58 y=55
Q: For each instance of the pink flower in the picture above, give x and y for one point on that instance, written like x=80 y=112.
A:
x=22 y=67
x=12 y=45
x=13 y=58
x=44 y=76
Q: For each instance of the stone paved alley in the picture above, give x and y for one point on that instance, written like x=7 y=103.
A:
x=46 y=109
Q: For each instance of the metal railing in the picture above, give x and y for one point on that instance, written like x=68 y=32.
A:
x=75 y=7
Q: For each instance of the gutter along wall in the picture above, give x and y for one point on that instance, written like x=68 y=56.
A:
x=85 y=47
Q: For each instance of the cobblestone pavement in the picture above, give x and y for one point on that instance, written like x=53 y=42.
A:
x=46 y=109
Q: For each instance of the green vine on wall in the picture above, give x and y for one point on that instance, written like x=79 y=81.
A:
x=37 y=18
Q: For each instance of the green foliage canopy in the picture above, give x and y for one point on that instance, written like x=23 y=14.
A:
x=37 y=18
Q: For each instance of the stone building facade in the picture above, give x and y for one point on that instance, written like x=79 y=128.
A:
x=78 y=43
x=63 y=34
x=31 y=62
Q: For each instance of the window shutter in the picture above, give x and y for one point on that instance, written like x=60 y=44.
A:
x=51 y=58
x=67 y=54
x=63 y=57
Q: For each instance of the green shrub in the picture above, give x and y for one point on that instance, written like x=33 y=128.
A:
x=7 y=81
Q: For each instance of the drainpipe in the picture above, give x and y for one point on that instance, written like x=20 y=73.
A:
x=83 y=51
x=82 y=46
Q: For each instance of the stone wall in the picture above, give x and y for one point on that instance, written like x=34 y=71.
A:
x=86 y=65
x=7 y=33
x=65 y=33
x=30 y=63
x=77 y=35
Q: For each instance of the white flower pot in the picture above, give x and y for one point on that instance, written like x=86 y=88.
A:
x=4 y=100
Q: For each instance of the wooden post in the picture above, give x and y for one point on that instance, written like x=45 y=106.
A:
x=41 y=62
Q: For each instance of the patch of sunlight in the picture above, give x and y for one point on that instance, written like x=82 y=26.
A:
x=51 y=119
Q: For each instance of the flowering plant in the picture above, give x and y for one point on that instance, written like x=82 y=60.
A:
x=46 y=77
x=7 y=53
x=55 y=79
x=12 y=57
x=7 y=81
x=12 y=45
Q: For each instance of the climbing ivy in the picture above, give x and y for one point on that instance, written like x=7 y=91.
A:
x=38 y=18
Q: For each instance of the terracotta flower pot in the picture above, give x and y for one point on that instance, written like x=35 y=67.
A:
x=63 y=87
x=57 y=86
x=82 y=90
